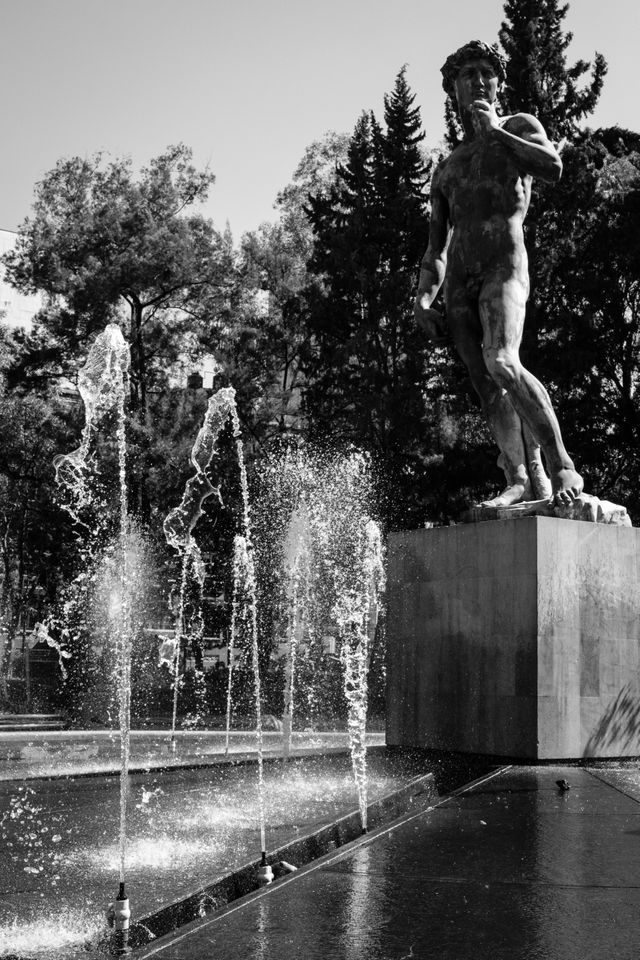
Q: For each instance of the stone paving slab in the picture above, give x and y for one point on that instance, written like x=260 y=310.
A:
x=512 y=869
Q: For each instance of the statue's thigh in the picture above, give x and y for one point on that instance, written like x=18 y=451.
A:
x=463 y=318
x=502 y=306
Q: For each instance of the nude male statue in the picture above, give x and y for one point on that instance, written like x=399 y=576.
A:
x=480 y=195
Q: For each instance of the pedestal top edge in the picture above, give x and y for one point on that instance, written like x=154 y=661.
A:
x=523 y=526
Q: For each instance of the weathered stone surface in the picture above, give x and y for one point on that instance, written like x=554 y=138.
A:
x=518 y=639
x=585 y=507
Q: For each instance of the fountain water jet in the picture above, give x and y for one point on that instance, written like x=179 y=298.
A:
x=180 y=522
x=102 y=384
x=356 y=613
x=178 y=528
x=297 y=560
x=317 y=506
x=240 y=580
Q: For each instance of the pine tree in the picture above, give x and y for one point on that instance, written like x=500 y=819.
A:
x=367 y=362
x=590 y=284
x=540 y=82
x=538 y=78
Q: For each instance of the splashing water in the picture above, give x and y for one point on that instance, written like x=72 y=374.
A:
x=356 y=614
x=179 y=524
x=68 y=929
x=238 y=606
x=101 y=384
x=339 y=553
x=178 y=527
x=102 y=387
x=252 y=592
x=41 y=633
x=297 y=548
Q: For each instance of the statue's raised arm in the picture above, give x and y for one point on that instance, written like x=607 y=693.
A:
x=525 y=137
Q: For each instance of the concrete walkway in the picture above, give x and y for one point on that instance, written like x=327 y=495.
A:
x=508 y=869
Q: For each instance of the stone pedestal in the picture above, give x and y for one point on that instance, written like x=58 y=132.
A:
x=517 y=638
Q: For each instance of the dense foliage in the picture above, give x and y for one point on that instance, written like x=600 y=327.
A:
x=366 y=365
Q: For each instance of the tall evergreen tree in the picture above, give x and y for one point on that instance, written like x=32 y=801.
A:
x=538 y=78
x=590 y=284
x=540 y=82
x=367 y=362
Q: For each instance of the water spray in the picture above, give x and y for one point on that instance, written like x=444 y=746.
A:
x=240 y=579
x=253 y=609
x=102 y=386
x=178 y=527
x=180 y=522
x=356 y=614
x=296 y=568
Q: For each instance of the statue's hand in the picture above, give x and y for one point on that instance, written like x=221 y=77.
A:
x=484 y=116
x=431 y=322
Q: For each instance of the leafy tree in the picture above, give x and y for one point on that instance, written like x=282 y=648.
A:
x=366 y=362
x=252 y=319
x=315 y=175
x=35 y=547
x=103 y=245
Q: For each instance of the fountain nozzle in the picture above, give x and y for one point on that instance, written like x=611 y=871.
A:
x=118 y=916
x=265 y=873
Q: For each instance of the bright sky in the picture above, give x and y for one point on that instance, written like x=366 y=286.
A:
x=248 y=84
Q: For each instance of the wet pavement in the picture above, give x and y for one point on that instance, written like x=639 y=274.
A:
x=186 y=829
x=508 y=869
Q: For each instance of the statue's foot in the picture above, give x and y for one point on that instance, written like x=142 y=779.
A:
x=567 y=486
x=514 y=493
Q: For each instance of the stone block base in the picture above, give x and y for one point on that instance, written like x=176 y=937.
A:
x=515 y=638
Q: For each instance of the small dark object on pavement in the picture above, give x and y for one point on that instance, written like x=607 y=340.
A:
x=563 y=785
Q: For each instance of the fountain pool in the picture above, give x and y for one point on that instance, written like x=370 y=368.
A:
x=186 y=828
x=170 y=830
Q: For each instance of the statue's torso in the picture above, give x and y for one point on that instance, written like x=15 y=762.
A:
x=488 y=196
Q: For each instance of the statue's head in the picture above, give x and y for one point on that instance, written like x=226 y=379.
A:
x=472 y=51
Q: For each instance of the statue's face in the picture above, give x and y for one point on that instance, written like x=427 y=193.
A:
x=476 y=80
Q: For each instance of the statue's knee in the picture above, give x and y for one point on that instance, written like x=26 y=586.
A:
x=503 y=366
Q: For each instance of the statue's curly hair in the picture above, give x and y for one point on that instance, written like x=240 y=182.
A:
x=474 y=50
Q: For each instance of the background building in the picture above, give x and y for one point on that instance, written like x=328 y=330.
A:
x=16 y=309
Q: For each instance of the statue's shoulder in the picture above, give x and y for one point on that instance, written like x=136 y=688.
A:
x=521 y=123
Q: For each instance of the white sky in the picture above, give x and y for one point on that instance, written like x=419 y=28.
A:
x=247 y=83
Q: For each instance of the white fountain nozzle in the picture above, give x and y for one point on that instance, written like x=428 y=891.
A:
x=265 y=873
x=118 y=917
x=121 y=910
